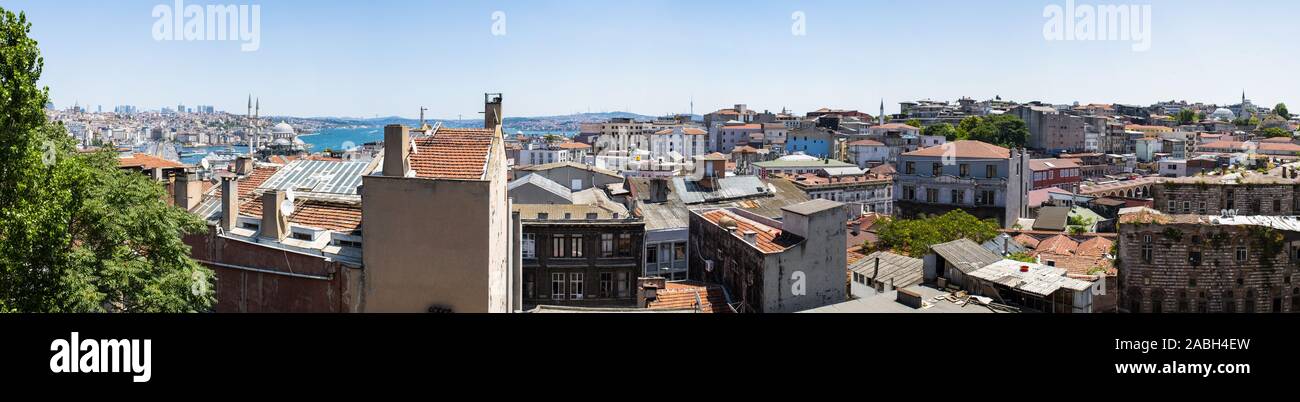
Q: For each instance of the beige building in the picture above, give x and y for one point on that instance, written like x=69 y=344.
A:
x=438 y=225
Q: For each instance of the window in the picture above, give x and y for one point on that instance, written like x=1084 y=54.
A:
x=1187 y=207
x=625 y=245
x=530 y=285
x=302 y=236
x=575 y=286
x=606 y=245
x=957 y=196
x=575 y=245
x=936 y=169
x=652 y=254
x=1194 y=258
x=1146 y=248
x=623 y=285
x=991 y=171
x=557 y=246
x=679 y=252
x=910 y=168
x=909 y=193
x=529 y=245
x=606 y=284
x=932 y=195
x=557 y=286
x=964 y=170
x=1277 y=206
x=575 y=184
x=1241 y=252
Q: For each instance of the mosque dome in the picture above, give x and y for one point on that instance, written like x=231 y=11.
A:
x=281 y=142
x=283 y=129
x=1223 y=114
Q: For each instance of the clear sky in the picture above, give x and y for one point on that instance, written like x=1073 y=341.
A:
x=367 y=58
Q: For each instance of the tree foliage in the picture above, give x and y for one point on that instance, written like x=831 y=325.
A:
x=1188 y=116
x=1002 y=130
x=1280 y=110
x=76 y=233
x=1274 y=132
x=913 y=237
x=945 y=130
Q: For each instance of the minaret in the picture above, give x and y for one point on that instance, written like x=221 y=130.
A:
x=882 y=110
x=257 y=109
x=250 y=106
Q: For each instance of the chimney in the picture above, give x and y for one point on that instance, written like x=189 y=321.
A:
x=648 y=290
x=229 y=202
x=658 y=190
x=243 y=165
x=751 y=237
x=909 y=298
x=188 y=190
x=397 y=147
x=275 y=224
x=492 y=111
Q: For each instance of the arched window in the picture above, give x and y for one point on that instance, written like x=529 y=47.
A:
x=1229 y=302
x=1135 y=300
x=1250 y=301
x=1157 y=301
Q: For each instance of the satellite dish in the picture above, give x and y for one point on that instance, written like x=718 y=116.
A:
x=290 y=196
x=286 y=208
x=205 y=164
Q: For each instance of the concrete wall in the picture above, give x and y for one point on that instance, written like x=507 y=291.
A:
x=821 y=260
x=566 y=175
x=427 y=244
x=531 y=194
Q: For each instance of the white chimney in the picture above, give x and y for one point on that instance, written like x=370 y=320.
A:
x=397 y=147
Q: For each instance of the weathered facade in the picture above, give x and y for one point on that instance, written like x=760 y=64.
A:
x=1208 y=264
x=1255 y=195
x=797 y=264
x=577 y=255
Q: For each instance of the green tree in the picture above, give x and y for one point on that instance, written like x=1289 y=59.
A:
x=1187 y=116
x=945 y=130
x=913 y=237
x=77 y=234
x=1280 y=110
x=1273 y=132
x=914 y=123
x=1001 y=130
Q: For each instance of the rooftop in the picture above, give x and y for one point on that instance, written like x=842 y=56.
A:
x=887 y=303
x=452 y=153
x=768 y=239
x=964 y=149
x=1040 y=279
x=692 y=295
x=964 y=254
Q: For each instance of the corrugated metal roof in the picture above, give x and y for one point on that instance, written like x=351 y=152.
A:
x=1041 y=280
x=323 y=177
x=901 y=270
x=674 y=213
x=964 y=254
x=543 y=183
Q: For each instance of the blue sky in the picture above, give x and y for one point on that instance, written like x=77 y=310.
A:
x=367 y=58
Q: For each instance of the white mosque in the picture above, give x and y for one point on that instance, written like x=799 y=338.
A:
x=282 y=139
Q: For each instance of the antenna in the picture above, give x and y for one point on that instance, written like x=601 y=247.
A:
x=422 y=109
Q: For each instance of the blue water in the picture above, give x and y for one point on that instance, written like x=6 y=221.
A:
x=341 y=138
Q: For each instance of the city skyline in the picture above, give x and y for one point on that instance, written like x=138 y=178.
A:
x=654 y=58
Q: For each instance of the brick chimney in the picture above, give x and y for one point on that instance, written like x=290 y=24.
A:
x=397 y=149
x=648 y=290
x=275 y=224
x=492 y=111
x=229 y=202
x=188 y=190
x=243 y=165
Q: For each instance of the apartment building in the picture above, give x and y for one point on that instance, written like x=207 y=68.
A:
x=985 y=180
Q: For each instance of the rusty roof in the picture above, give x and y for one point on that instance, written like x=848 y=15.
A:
x=684 y=295
x=768 y=239
x=146 y=161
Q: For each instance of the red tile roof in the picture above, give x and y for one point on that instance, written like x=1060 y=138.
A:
x=452 y=154
x=1059 y=244
x=866 y=143
x=254 y=180
x=895 y=126
x=768 y=239
x=572 y=145
x=1026 y=240
x=1096 y=246
x=682 y=295
x=965 y=149
x=146 y=162
x=317 y=214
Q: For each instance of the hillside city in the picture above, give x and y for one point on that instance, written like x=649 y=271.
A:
x=969 y=206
